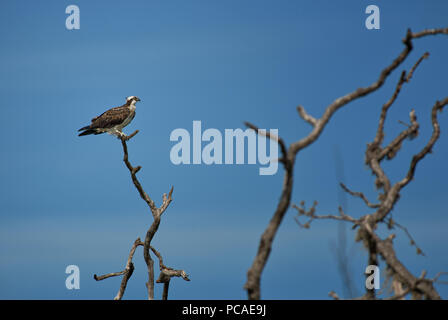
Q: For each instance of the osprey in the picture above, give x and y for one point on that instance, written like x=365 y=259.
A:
x=113 y=120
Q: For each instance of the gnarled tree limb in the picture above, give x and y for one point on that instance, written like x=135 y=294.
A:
x=156 y=213
x=127 y=272
x=289 y=155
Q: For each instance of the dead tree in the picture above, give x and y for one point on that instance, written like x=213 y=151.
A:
x=374 y=155
x=166 y=273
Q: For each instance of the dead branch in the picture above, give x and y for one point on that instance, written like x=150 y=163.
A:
x=301 y=211
x=392 y=223
x=334 y=295
x=419 y=286
x=360 y=195
x=438 y=107
x=368 y=223
x=156 y=213
x=166 y=273
x=289 y=155
x=127 y=272
x=436 y=278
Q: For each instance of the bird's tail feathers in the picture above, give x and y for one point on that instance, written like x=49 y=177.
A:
x=84 y=128
x=88 y=131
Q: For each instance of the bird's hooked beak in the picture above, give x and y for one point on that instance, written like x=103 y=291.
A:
x=137 y=99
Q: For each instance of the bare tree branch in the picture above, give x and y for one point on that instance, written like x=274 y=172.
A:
x=277 y=139
x=301 y=211
x=334 y=295
x=402 y=277
x=392 y=223
x=166 y=273
x=289 y=155
x=360 y=195
x=134 y=171
x=436 y=278
x=127 y=272
x=156 y=213
x=411 y=73
x=403 y=78
x=108 y=275
x=386 y=250
x=374 y=154
x=428 y=148
x=429 y=32
x=305 y=116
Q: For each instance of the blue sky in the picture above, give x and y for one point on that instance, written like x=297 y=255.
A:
x=69 y=200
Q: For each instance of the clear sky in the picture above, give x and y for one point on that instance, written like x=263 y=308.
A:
x=70 y=200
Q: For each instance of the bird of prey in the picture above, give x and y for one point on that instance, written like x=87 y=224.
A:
x=113 y=120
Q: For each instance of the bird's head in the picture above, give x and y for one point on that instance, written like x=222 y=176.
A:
x=132 y=99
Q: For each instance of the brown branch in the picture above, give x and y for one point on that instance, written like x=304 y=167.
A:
x=133 y=171
x=412 y=130
x=166 y=273
x=374 y=153
x=403 y=79
x=375 y=245
x=166 y=287
x=401 y=293
x=394 y=146
x=411 y=73
x=359 y=195
x=301 y=211
x=438 y=106
x=372 y=260
x=429 y=32
x=386 y=250
x=391 y=223
x=126 y=138
x=149 y=236
x=254 y=273
x=305 y=116
x=380 y=131
x=108 y=275
x=127 y=272
x=130 y=270
x=269 y=136
x=156 y=213
x=358 y=93
x=333 y=295
x=438 y=275
x=391 y=195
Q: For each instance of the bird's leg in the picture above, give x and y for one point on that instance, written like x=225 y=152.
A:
x=119 y=134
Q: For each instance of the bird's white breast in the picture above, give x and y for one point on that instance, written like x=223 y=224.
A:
x=129 y=118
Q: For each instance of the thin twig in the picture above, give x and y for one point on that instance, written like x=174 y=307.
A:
x=359 y=195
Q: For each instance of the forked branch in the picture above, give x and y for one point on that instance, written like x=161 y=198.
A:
x=127 y=272
x=318 y=124
x=156 y=213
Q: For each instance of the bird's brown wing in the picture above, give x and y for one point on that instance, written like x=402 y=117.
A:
x=111 y=117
